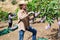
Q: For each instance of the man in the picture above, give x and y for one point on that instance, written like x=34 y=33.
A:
x=23 y=21
x=10 y=17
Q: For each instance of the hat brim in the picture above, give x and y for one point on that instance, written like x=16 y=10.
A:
x=22 y=3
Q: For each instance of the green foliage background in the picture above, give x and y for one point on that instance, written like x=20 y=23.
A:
x=48 y=8
x=3 y=15
x=14 y=2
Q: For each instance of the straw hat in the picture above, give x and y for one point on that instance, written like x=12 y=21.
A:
x=22 y=2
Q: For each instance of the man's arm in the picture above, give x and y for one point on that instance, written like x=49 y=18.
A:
x=34 y=15
x=10 y=16
x=21 y=16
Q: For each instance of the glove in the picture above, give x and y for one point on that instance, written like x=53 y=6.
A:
x=31 y=12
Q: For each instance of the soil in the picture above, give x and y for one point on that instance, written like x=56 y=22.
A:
x=51 y=33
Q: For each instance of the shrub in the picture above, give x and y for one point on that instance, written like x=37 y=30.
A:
x=14 y=2
x=2 y=0
x=3 y=15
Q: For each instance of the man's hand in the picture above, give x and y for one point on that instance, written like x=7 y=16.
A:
x=31 y=17
x=31 y=12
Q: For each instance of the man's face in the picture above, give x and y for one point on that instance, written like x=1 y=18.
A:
x=24 y=6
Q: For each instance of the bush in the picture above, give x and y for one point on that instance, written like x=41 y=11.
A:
x=2 y=0
x=3 y=15
x=14 y=2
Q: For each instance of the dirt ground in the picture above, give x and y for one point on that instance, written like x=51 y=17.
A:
x=41 y=32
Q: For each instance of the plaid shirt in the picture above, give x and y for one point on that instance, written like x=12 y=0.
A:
x=22 y=15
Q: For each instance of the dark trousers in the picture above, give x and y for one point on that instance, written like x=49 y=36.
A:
x=10 y=25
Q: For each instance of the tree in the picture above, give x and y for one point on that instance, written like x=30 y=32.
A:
x=48 y=8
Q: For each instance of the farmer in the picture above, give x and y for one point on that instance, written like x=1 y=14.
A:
x=10 y=17
x=23 y=21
